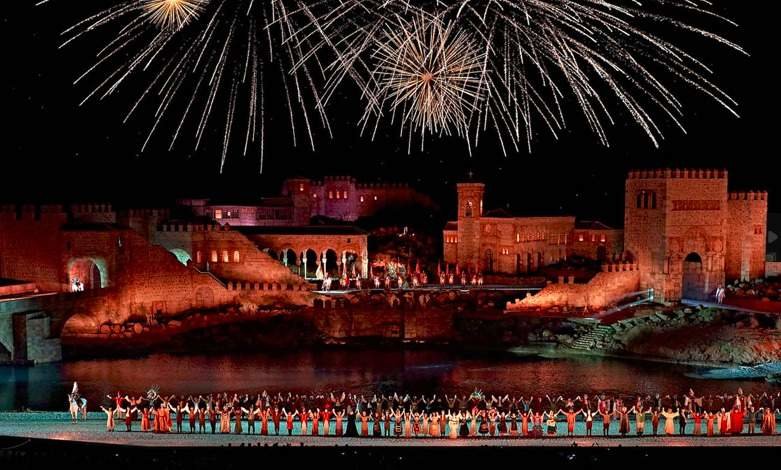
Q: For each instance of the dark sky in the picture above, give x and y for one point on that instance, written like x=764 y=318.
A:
x=52 y=149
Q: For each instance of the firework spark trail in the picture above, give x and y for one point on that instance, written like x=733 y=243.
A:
x=430 y=71
x=206 y=60
x=543 y=58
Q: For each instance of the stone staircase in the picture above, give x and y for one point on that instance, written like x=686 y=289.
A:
x=594 y=339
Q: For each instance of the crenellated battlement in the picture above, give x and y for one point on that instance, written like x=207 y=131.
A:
x=91 y=208
x=748 y=196
x=193 y=228
x=334 y=179
x=679 y=173
x=244 y=286
x=382 y=186
x=32 y=212
x=620 y=267
x=148 y=212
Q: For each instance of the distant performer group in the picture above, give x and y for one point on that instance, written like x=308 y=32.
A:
x=454 y=417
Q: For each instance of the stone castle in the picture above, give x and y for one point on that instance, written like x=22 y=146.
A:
x=340 y=198
x=684 y=234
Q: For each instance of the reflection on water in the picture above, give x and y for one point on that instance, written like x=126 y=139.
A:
x=367 y=371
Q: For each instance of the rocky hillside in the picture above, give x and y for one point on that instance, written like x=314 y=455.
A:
x=690 y=335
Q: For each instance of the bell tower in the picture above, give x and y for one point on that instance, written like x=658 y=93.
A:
x=470 y=210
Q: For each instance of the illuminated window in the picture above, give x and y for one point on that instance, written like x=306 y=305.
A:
x=375 y=198
x=505 y=251
x=603 y=239
x=198 y=257
x=225 y=257
x=301 y=187
x=214 y=256
x=236 y=256
x=468 y=209
x=314 y=196
x=338 y=195
x=518 y=237
x=361 y=198
x=218 y=214
x=330 y=194
x=593 y=237
x=481 y=208
x=344 y=196
x=580 y=237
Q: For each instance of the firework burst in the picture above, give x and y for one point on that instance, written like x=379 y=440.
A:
x=201 y=65
x=173 y=14
x=428 y=73
x=609 y=60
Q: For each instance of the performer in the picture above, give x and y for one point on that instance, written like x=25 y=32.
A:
x=571 y=415
x=452 y=422
x=225 y=420
x=682 y=421
x=551 y=423
x=201 y=420
x=179 y=410
x=145 y=427
x=669 y=418
x=212 y=412
x=736 y=420
x=289 y=417
x=589 y=418
x=752 y=420
x=128 y=414
x=73 y=402
x=655 y=421
x=109 y=418
x=238 y=413
x=606 y=418
x=352 y=430
x=339 y=431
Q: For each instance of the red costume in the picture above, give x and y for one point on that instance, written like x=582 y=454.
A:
x=736 y=421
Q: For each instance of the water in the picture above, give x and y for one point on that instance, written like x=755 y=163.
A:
x=354 y=370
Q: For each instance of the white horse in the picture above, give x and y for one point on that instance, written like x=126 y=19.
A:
x=74 y=408
x=77 y=404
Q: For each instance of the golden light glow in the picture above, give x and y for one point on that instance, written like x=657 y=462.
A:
x=173 y=14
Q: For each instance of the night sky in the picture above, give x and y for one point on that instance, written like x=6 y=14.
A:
x=54 y=150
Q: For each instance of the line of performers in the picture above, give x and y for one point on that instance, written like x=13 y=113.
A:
x=448 y=416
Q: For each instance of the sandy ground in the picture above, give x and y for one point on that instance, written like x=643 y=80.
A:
x=57 y=426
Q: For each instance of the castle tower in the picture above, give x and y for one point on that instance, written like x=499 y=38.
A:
x=470 y=210
x=675 y=229
x=300 y=192
x=747 y=235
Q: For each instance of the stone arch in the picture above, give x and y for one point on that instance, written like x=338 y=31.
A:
x=332 y=262
x=91 y=272
x=695 y=240
x=181 y=255
x=272 y=253
x=310 y=261
x=469 y=209
x=693 y=280
x=352 y=263
x=290 y=259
